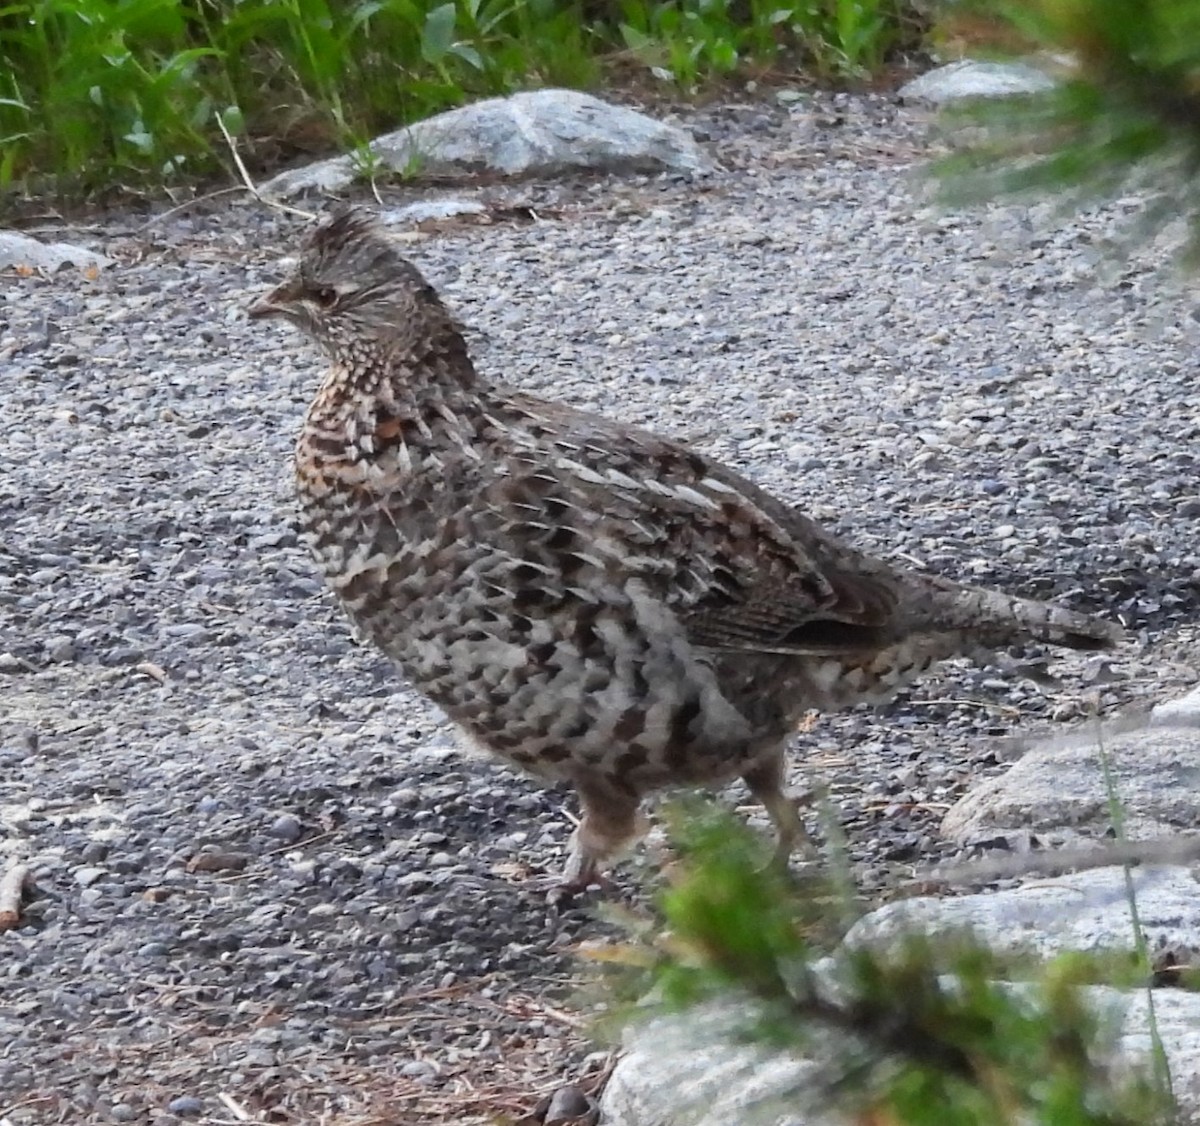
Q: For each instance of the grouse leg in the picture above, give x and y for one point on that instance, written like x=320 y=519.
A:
x=766 y=782
x=610 y=821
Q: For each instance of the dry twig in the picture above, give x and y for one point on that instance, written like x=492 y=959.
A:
x=251 y=186
x=234 y=1107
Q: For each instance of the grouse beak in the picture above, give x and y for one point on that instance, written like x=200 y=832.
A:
x=278 y=303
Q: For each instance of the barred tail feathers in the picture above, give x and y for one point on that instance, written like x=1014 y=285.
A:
x=1001 y=619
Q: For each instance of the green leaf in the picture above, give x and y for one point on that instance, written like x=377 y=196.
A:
x=635 y=40
x=232 y=119
x=468 y=54
x=437 y=35
x=139 y=138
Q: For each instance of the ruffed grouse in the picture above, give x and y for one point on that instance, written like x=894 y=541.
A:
x=589 y=601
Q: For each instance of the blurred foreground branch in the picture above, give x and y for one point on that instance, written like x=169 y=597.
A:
x=922 y=1030
x=1125 y=115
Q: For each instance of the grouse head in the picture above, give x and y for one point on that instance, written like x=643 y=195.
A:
x=354 y=293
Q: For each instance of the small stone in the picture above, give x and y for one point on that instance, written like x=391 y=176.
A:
x=286 y=827
x=421 y=1070
x=122 y=1112
x=94 y=852
x=61 y=650
x=567 y=1105
x=85 y=877
x=216 y=860
x=185 y=1104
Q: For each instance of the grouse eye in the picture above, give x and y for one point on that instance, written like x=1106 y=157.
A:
x=325 y=295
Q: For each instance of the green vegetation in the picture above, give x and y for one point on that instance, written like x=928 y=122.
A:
x=928 y=1031
x=97 y=93
x=1125 y=116
x=689 y=42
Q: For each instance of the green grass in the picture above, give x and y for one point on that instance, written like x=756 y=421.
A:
x=96 y=94
x=689 y=42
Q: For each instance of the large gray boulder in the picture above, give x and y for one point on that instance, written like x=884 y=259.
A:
x=542 y=132
x=689 y=1070
x=969 y=79
x=45 y=257
x=1181 y=712
x=1058 y=788
x=1086 y=911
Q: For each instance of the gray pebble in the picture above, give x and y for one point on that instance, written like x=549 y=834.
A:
x=419 y=1070
x=60 y=649
x=566 y=1104
x=94 y=852
x=286 y=827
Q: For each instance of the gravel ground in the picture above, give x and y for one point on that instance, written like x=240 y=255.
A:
x=268 y=883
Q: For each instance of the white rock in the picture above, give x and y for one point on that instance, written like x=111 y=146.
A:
x=969 y=78
x=1177 y=1019
x=1183 y=712
x=1083 y=911
x=46 y=257
x=1058 y=787
x=537 y=131
x=424 y=210
x=685 y=1071
x=681 y=1071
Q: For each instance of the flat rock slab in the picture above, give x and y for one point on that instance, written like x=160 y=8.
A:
x=688 y=1070
x=969 y=78
x=1086 y=911
x=536 y=132
x=46 y=257
x=680 y=1070
x=1181 y=712
x=432 y=210
x=1058 y=787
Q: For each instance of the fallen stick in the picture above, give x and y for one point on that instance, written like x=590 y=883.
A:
x=11 y=887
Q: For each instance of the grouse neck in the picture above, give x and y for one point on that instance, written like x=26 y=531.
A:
x=422 y=401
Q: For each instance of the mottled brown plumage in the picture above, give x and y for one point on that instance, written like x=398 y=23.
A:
x=589 y=601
